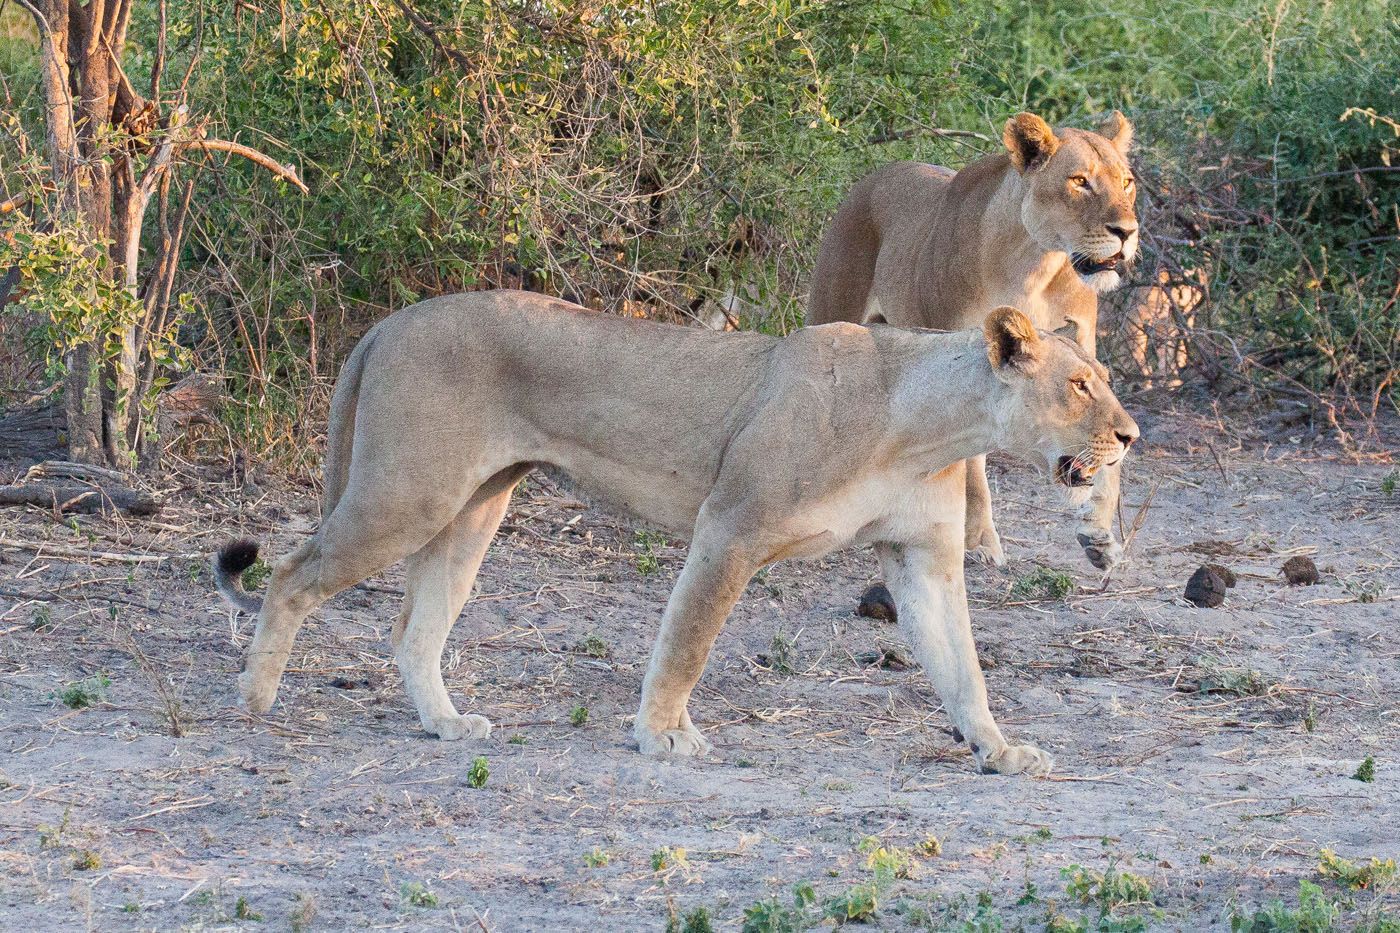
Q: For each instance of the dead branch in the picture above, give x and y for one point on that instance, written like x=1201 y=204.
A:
x=286 y=172
x=934 y=131
x=67 y=469
x=10 y=205
x=77 y=497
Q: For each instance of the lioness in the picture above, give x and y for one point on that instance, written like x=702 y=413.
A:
x=755 y=447
x=1043 y=226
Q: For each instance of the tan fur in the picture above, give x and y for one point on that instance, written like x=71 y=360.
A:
x=921 y=246
x=756 y=448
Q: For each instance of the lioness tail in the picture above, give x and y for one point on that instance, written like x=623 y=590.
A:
x=234 y=558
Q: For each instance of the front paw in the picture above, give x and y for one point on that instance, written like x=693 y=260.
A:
x=984 y=547
x=1103 y=552
x=1018 y=759
x=453 y=728
x=688 y=743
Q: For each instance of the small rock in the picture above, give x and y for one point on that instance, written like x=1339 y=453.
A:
x=1300 y=571
x=1206 y=588
x=877 y=603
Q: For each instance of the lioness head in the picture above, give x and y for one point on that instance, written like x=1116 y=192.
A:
x=1063 y=416
x=1080 y=193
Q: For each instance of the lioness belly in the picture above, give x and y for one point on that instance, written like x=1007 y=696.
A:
x=667 y=503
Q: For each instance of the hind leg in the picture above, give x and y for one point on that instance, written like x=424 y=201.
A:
x=346 y=549
x=440 y=579
x=293 y=592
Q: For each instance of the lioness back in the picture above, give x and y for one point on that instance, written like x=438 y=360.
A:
x=498 y=374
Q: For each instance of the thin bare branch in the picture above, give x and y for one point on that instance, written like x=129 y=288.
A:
x=286 y=172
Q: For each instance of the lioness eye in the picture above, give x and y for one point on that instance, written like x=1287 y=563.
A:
x=1080 y=385
x=1127 y=184
x=1079 y=181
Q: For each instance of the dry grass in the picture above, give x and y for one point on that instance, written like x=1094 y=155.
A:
x=187 y=805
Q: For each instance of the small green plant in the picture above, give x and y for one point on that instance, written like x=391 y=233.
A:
x=1372 y=875
x=1366 y=771
x=478 y=772
x=695 y=921
x=256 y=575
x=648 y=561
x=888 y=862
x=780 y=655
x=1043 y=583
x=578 y=716
x=86 y=860
x=1235 y=681
x=930 y=846
x=1315 y=913
x=89 y=691
x=597 y=858
x=1109 y=890
x=858 y=902
x=42 y=620
x=668 y=857
x=131 y=907
x=416 y=894
x=243 y=911
x=51 y=837
x=593 y=646
x=773 y=916
x=1310 y=717
x=1365 y=591
x=1391 y=480
x=516 y=739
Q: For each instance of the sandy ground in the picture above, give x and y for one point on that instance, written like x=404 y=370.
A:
x=164 y=807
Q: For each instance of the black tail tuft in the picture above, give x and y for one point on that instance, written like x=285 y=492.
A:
x=234 y=558
x=237 y=556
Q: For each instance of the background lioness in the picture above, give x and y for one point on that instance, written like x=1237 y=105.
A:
x=832 y=436
x=1043 y=226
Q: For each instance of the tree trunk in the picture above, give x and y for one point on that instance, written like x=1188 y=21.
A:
x=100 y=192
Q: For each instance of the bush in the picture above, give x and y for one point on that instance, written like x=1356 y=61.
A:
x=679 y=160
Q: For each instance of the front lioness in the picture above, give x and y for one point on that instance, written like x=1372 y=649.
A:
x=1043 y=226
x=755 y=447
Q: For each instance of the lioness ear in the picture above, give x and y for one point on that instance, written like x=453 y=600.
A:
x=1117 y=130
x=1012 y=341
x=1030 y=141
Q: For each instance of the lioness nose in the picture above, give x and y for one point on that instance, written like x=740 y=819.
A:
x=1123 y=229
x=1126 y=430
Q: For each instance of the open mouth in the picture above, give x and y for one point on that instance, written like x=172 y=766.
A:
x=1086 y=266
x=1071 y=474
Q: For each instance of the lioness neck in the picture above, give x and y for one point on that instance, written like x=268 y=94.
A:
x=947 y=404
x=1009 y=252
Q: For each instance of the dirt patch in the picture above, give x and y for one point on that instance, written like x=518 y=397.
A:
x=151 y=802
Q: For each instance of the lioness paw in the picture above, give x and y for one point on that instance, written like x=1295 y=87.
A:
x=984 y=547
x=453 y=728
x=1018 y=759
x=255 y=694
x=987 y=554
x=688 y=743
x=1103 y=552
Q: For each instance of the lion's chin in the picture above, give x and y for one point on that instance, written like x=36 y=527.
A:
x=1103 y=281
